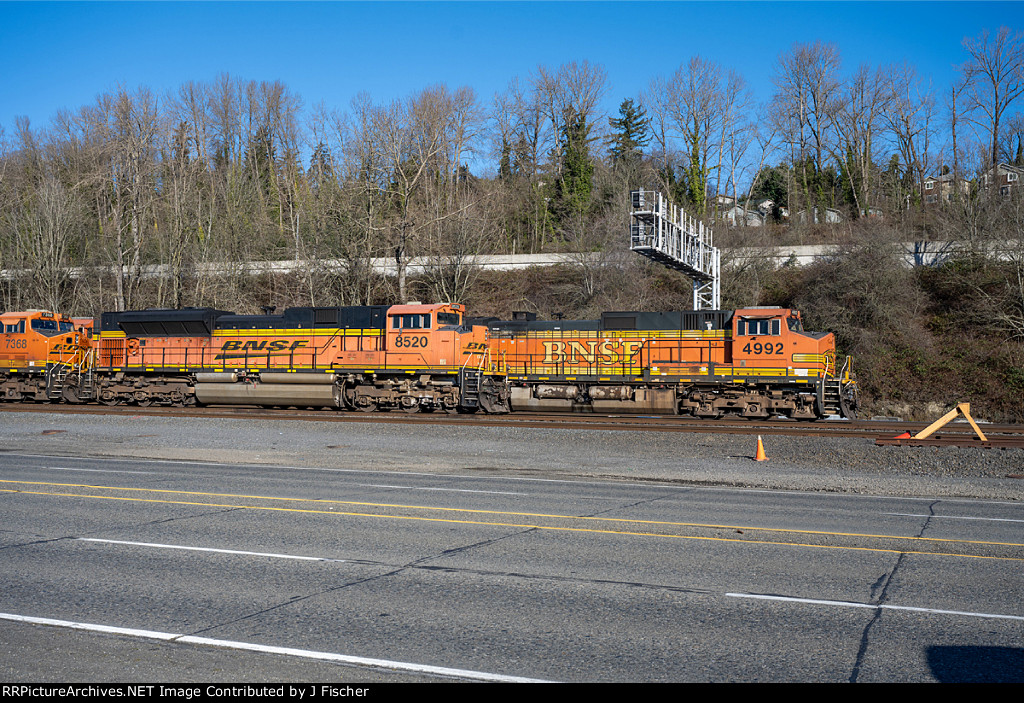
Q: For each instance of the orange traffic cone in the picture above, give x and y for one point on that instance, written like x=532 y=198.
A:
x=760 y=456
x=905 y=435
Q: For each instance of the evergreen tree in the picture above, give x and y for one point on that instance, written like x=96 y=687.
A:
x=505 y=164
x=675 y=186
x=771 y=184
x=577 y=172
x=321 y=166
x=697 y=174
x=630 y=137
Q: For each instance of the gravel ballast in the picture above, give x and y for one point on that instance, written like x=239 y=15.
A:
x=797 y=463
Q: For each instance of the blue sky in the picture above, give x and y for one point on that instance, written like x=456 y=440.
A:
x=57 y=55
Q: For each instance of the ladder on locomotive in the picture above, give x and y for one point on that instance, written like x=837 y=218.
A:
x=58 y=372
x=471 y=380
x=470 y=383
x=835 y=391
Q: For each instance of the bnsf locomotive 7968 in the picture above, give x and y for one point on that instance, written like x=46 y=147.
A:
x=755 y=362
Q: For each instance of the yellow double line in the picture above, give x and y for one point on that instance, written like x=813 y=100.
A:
x=542 y=521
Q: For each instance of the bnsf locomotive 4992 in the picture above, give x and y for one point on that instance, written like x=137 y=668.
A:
x=754 y=362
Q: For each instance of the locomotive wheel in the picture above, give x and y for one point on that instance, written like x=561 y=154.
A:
x=70 y=391
x=407 y=408
x=369 y=407
x=110 y=401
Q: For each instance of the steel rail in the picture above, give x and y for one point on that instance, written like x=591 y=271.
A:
x=959 y=434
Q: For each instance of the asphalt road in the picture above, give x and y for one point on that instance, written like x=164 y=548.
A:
x=464 y=575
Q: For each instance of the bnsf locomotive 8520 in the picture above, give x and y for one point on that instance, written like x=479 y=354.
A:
x=756 y=362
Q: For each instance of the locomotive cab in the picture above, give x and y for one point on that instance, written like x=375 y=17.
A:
x=422 y=336
x=774 y=338
x=41 y=355
x=38 y=339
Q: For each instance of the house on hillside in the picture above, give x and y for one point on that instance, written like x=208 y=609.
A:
x=941 y=189
x=1003 y=177
x=737 y=216
x=830 y=216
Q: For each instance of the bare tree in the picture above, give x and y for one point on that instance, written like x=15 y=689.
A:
x=858 y=115
x=765 y=132
x=909 y=117
x=7 y=248
x=419 y=144
x=365 y=183
x=736 y=133
x=128 y=125
x=521 y=131
x=520 y=118
x=655 y=102
x=994 y=79
x=697 y=100
x=45 y=237
x=1012 y=143
x=807 y=87
x=574 y=90
x=408 y=141
x=452 y=266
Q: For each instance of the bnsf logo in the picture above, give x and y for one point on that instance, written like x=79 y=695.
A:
x=277 y=345
x=606 y=352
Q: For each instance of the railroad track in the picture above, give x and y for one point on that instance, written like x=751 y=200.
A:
x=957 y=433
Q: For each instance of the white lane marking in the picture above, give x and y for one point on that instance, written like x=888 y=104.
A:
x=789 y=599
x=957 y=517
x=149 y=634
x=209 y=549
x=286 y=651
x=97 y=471
x=849 y=604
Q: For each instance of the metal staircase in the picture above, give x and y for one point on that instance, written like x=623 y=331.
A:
x=470 y=382
x=56 y=378
x=79 y=388
x=664 y=233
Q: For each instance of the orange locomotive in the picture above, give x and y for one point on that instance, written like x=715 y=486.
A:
x=43 y=356
x=407 y=357
x=754 y=362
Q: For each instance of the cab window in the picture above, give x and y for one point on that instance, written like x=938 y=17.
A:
x=448 y=318
x=759 y=327
x=45 y=327
x=16 y=328
x=414 y=321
